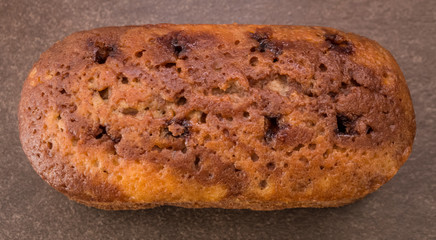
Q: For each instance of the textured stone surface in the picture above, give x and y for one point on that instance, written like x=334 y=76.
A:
x=404 y=208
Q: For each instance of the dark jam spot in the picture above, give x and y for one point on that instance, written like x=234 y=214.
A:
x=271 y=128
x=176 y=41
x=337 y=43
x=266 y=43
x=180 y=128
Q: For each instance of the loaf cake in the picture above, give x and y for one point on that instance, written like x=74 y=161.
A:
x=227 y=116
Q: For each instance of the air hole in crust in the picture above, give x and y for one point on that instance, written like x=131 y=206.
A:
x=130 y=111
x=50 y=145
x=203 y=117
x=332 y=95
x=217 y=91
x=271 y=166
x=139 y=54
x=181 y=101
x=226 y=132
x=102 y=54
x=338 y=43
x=101 y=132
x=254 y=157
x=297 y=148
x=207 y=138
x=263 y=184
x=116 y=140
x=122 y=78
x=246 y=114
x=312 y=146
x=237 y=42
x=326 y=154
x=177 y=49
x=197 y=163
x=271 y=128
x=322 y=67
x=104 y=94
x=344 y=125
x=170 y=65
x=156 y=148
x=304 y=160
x=219 y=116
x=254 y=61
x=354 y=82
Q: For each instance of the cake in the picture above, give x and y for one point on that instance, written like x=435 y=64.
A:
x=226 y=116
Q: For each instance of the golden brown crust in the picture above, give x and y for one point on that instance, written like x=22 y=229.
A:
x=229 y=116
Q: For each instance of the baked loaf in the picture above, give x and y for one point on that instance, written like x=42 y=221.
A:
x=227 y=116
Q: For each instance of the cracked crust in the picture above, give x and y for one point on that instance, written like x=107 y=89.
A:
x=228 y=116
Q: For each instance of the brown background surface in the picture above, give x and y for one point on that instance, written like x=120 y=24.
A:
x=404 y=208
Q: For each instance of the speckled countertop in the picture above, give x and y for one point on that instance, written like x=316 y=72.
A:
x=404 y=208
